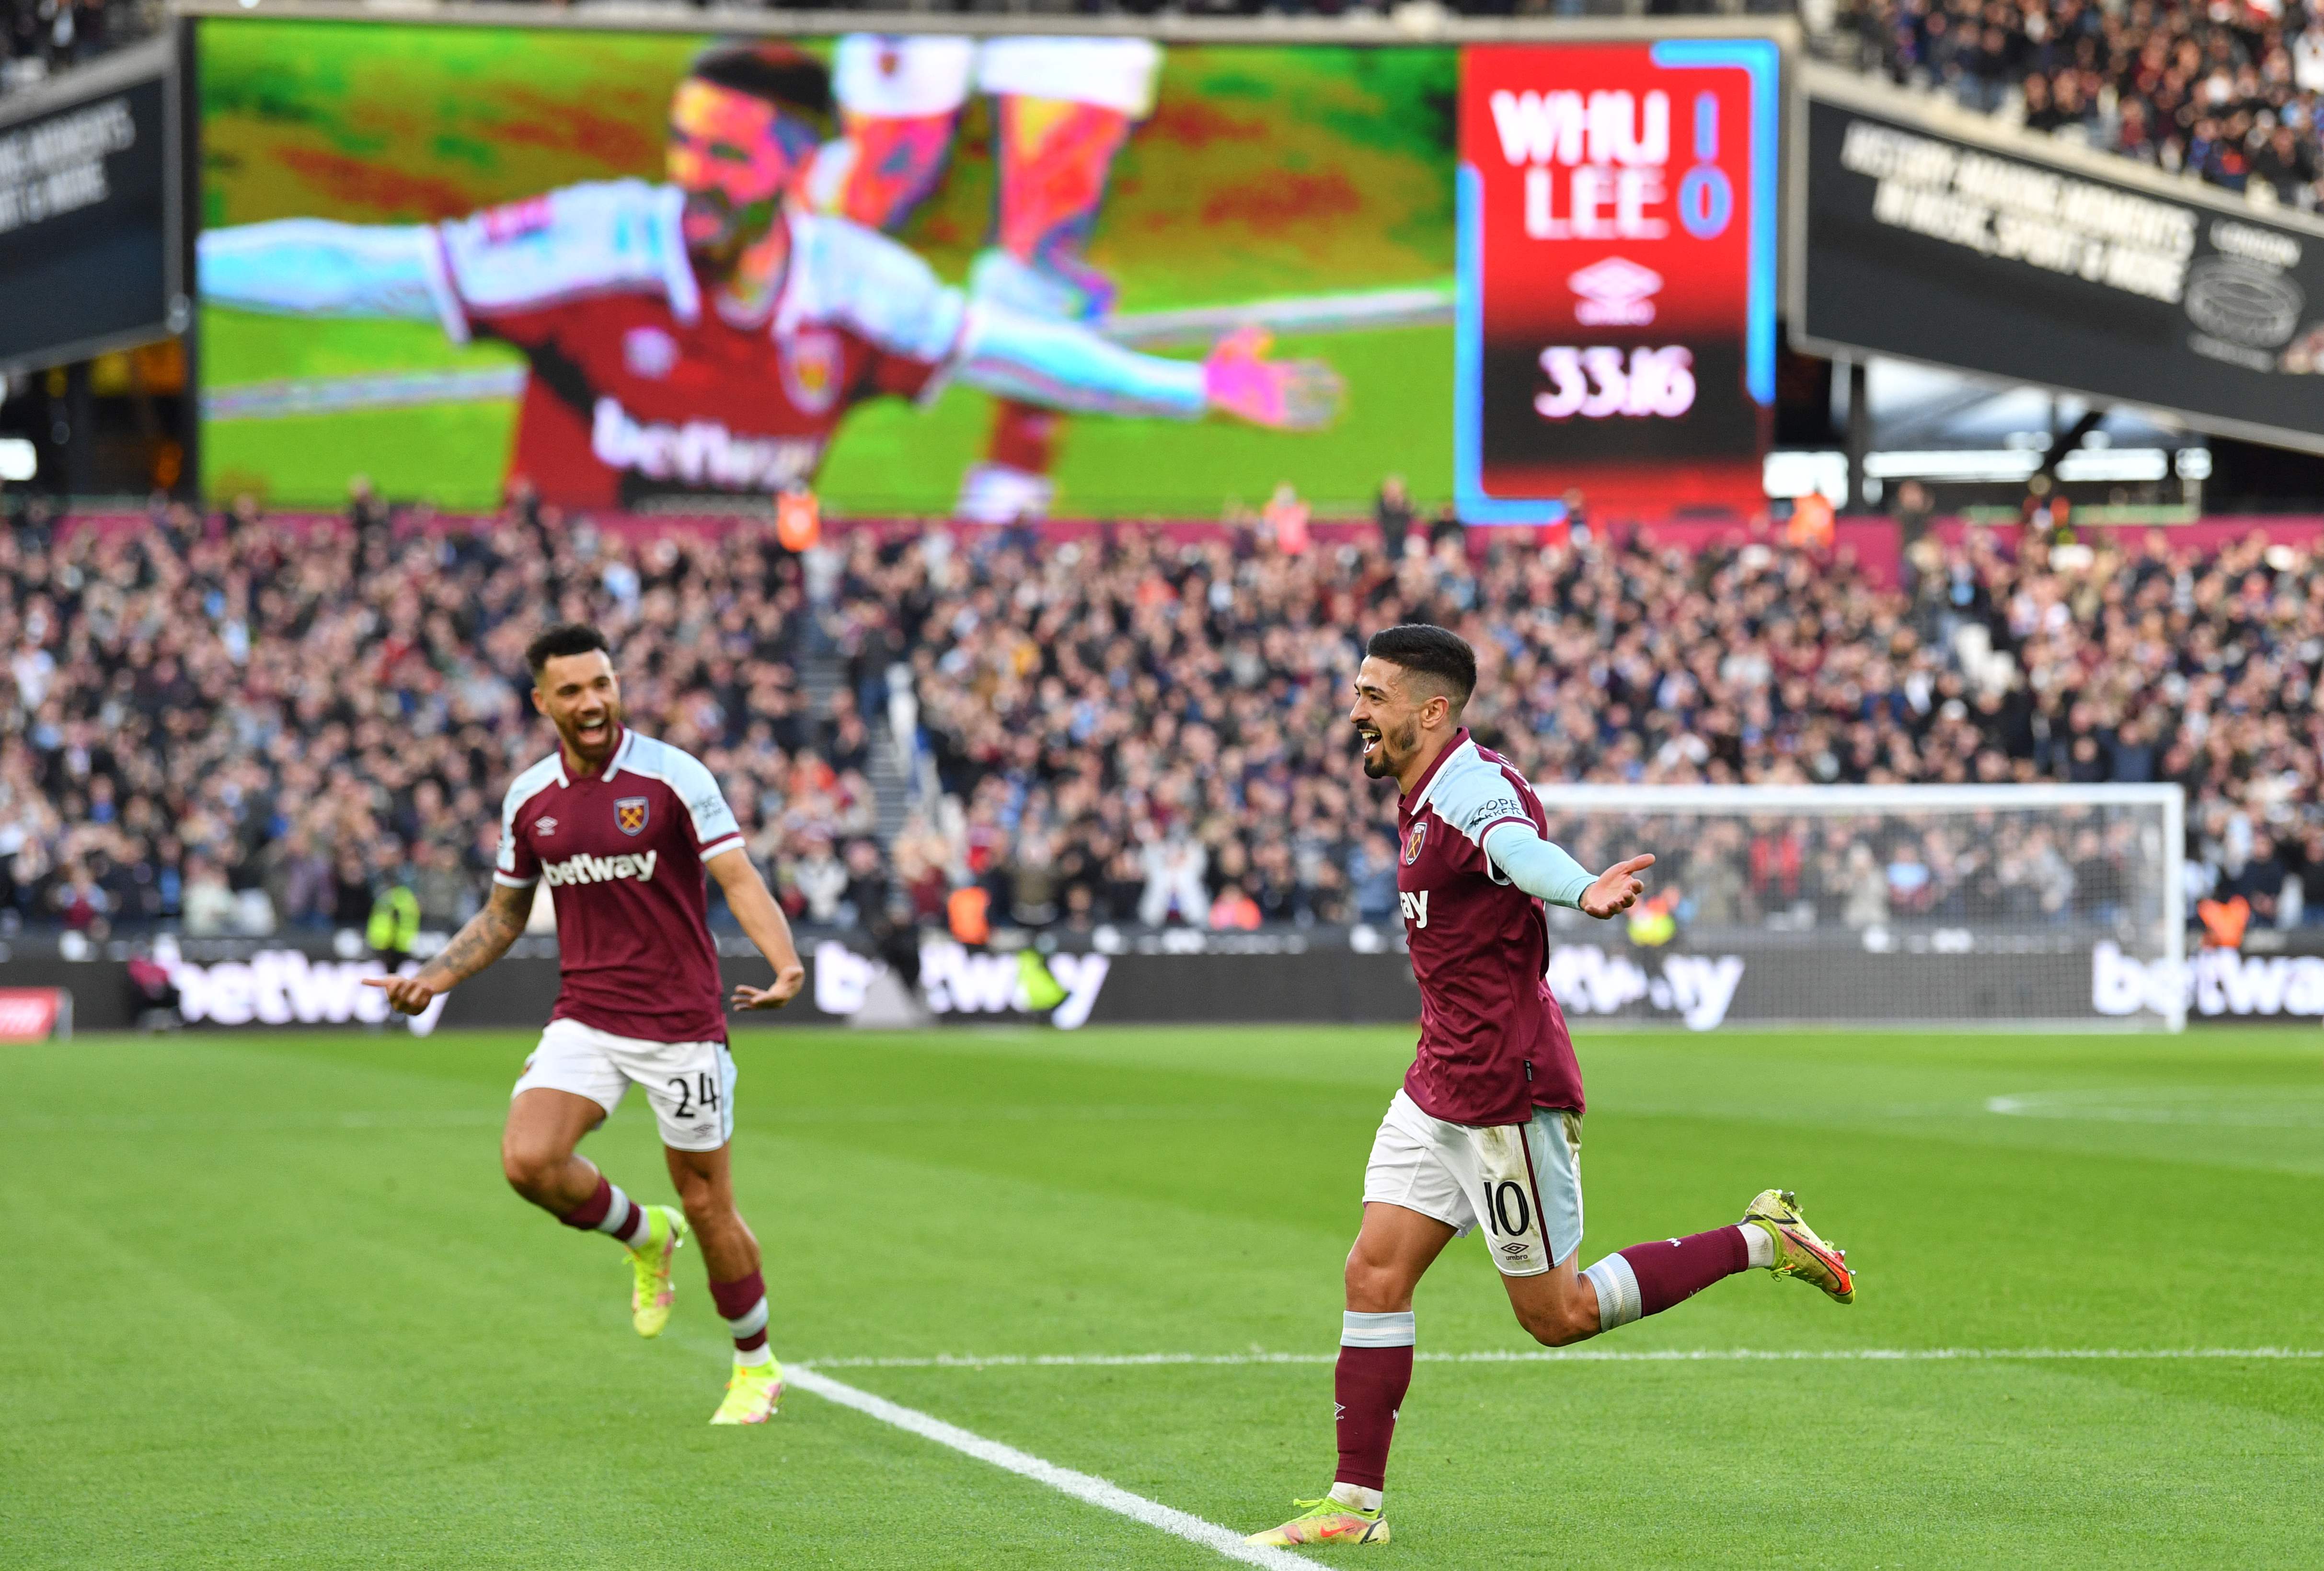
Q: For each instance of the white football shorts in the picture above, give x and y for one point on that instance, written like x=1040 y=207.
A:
x=1522 y=1181
x=691 y=1084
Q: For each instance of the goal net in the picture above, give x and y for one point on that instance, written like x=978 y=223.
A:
x=1880 y=906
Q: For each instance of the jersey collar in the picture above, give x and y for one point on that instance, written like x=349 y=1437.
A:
x=1419 y=797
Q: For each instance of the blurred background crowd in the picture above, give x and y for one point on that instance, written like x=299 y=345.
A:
x=233 y=724
x=2228 y=91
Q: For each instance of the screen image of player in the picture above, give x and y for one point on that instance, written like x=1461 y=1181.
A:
x=496 y=280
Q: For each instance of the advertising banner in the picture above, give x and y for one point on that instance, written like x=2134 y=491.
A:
x=1352 y=978
x=88 y=244
x=1617 y=225
x=34 y=1014
x=1943 y=238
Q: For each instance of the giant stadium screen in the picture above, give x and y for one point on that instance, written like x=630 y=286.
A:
x=455 y=257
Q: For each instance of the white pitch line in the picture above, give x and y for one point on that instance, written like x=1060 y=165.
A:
x=1082 y=1486
x=1575 y=1356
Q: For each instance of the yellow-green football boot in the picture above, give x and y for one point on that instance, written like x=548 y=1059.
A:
x=753 y=1395
x=1326 y=1521
x=653 y=1292
x=1798 y=1251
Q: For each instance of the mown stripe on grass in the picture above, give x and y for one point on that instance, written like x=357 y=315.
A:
x=1567 y=1356
x=1082 y=1486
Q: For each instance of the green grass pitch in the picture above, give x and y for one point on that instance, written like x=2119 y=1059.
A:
x=271 y=1306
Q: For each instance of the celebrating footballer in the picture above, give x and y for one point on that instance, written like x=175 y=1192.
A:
x=1487 y=1129
x=625 y=830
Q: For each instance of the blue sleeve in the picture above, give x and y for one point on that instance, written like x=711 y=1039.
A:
x=1064 y=365
x=1539 y=867
x=312 y=267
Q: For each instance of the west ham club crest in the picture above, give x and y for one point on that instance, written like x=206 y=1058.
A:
x=1412 y=842
x=629 y=814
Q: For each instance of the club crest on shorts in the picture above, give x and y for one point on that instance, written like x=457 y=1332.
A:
x=1412 y=841
x=629 y=814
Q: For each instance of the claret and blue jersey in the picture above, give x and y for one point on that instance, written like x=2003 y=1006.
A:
x=623 y=852
x=1493 y=1043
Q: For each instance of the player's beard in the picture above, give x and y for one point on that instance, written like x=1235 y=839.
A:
x=595 y=750
x=718 y=232
x=1379 y=764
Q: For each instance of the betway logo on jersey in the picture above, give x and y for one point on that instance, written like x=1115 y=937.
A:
x=700 y=452
x=588 y=870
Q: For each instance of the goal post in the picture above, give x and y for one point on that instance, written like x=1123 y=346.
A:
x=2043 y=905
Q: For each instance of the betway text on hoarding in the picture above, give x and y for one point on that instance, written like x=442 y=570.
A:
x=1617 y=311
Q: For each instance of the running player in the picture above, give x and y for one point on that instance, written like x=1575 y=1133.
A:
x=1487 y=1127
x=623 y=828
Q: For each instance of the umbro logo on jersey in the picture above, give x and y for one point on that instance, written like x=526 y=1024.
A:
x=589 y=869
x=629 y=814
x=1415 y=906
x=544 y=826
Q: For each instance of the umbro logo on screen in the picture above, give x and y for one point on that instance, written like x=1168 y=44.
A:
x=1616 y=292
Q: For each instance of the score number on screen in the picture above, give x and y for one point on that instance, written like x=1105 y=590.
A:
x=1600 y=381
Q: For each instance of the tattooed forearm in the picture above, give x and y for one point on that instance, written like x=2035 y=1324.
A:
x=484 y=939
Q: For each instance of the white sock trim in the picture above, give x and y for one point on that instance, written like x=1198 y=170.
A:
x=1760 y=1244
x=761 y=1354
x=750 y=1323
x=1617 y=1291
x=1357 y=1496
x=1362 y=1330
x=610 y=1222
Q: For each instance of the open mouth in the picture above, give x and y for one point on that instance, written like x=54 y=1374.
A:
x=1370 y=740
x=596 y=730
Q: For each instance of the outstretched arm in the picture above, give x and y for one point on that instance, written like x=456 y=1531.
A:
x=312 y=267
x=1543 y=869
x=484 y=939
x=762 y=921
x=1065 y=365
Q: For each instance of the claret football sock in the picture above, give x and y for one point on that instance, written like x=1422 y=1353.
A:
x=1645 y=1279
x=1374 y=1373
x=743 y=1303
x=609 y=1210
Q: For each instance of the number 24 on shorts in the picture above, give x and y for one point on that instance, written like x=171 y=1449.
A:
x=699 y=1095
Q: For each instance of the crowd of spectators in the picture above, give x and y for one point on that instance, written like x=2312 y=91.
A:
x=39 y=38
x=2229 y=91
x=237 y=725
x=242 y=726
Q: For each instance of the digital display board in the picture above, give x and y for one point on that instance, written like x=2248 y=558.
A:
x=1959 y=243
x=1617 y=311
x=454 y=257
x=88 y=244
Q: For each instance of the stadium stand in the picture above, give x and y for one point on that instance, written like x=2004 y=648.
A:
x=39 y=38
x=2228 y=92
x=233 y=724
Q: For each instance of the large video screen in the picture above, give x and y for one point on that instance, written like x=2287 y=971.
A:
x=1086 y=276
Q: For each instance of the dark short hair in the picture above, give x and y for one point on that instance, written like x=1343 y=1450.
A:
x=1443 y=657
x=776 y=72
x=565 y=639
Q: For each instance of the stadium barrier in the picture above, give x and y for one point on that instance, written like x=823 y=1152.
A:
x=1318 y=976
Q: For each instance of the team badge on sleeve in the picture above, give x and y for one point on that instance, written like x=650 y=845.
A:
x=1413 y=842
x=629 y=814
